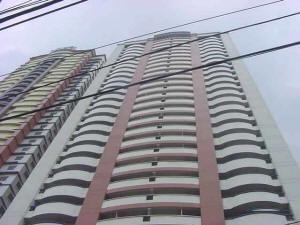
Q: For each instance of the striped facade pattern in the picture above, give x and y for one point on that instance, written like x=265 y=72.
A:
x=159 y=147
x=186 y=149
x=28 y=150
x=64 y=191
x=13 y=131
x=249 y=184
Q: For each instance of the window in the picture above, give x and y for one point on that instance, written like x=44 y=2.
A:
x=2 y=210
x=159 y=126
x=149 y=197
x=19 y=157
x=281 y=193
x=38 y=133
x=163 y=100
x=31 y=141
x=11 y=167
x=290 y=217
x=154 y=163
x=3 y=178
x=162 y=108
x=164 y=93
x=146 y=218
x=151 y=179
x=25 y=149
x=26 y=174
x=10 y=197
x=19 y=185
x=165 y=86
x=157 y=138
x=160 y=117
x=156 y=150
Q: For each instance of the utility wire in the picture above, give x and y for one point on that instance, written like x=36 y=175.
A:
x=189 y=23
x=43 y=14
x=14 y=6
x=161 y=50
x=22 y=5
x=10 y=17
x=252 y=54
x=293 y=222
x=166 y=29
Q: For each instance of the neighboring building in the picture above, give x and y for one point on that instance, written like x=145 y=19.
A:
x=23 y=140
x=196 y=148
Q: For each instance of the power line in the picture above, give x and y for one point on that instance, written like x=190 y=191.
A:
x=21 y=6
x=14 y=6
x=293 y=222
x=10 y=17
x=189 y=23
x=43 y=14
x=162 y=49
x=166 y=29
x=261 y=52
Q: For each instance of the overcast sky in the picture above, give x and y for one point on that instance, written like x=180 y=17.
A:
x=99 y=22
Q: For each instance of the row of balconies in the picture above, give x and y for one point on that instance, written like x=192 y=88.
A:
x=19 y=166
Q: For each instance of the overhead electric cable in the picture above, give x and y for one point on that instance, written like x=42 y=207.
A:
x=42 y=14
x=14 y=6
x=21 y=6
x=252 y=54
x=163 y=49
x=47 y=4
x=170 y=28
x=293 y=222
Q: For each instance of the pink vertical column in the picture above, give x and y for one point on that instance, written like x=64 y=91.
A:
x=90 y=209
x=212 y=212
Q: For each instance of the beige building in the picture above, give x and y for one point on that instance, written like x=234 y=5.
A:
x=43 y=80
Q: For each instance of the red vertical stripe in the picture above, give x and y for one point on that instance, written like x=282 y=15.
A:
x=13 y=142
x=92 y=203
x=210 y=194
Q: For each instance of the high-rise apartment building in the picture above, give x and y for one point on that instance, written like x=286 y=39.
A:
x=196 y=148
x=38 y=83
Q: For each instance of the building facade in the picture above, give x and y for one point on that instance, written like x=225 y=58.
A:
x=38 y=83
x=196 y=148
